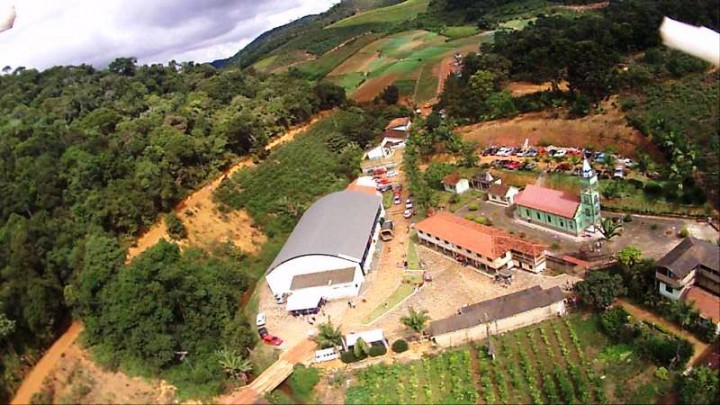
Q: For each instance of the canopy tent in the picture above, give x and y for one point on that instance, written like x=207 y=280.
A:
x=302 y=300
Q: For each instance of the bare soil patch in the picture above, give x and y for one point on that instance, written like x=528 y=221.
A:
x=586 y=7
x=523 y=88
x=598 y=131
x=372 y=87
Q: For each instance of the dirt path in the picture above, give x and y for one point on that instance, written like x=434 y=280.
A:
x=648 y=316
x=201 y=201
x=34 y=380
x=586 y=7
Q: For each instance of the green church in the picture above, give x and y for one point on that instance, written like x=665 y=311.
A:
x=561 y=211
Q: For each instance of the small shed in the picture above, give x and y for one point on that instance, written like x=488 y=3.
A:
x=369 y=336
x=483 y=180
x=502 y=194
x=455 y=184
x=304 y=302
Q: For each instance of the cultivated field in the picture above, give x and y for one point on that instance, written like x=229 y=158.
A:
x=399 y=12
x=558 y=361
x=597 y=132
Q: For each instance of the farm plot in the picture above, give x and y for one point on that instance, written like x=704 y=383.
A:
x=557 y=361
x=329 y=61
x=406 y=10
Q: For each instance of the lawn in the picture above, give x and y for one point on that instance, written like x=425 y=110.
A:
x=556 y=361
x=427 y=84
x=402 y=292
x=460 y=31
x=412 y=256
x=264 y=63
x=517 y=24
x=400 y=12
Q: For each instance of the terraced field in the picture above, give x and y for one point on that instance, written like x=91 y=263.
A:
x=399 y=12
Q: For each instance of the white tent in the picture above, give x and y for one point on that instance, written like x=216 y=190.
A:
x=369 y=336
x=301 y=300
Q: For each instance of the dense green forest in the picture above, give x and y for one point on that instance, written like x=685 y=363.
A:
x=99 y=153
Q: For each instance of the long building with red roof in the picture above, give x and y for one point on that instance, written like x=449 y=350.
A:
x=559 y=210
x=481 y=246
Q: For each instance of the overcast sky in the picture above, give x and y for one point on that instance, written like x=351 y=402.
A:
x=62 y=32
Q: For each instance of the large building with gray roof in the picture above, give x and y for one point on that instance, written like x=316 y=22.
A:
x=331 y=248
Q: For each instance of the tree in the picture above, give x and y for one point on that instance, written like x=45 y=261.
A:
x=123 y=66
x=391 y=95
x=609 y=229
x=415 y=320
x=234 y=365
x=600 y=289
x=629 y=256
x=699 y=387
x=361 y=349
x=328 y=335
x=469 y=155
x=7 y=326
x=175 y=227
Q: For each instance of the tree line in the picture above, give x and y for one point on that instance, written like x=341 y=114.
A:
x=91 y=153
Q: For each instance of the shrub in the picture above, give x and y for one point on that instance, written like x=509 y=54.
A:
x=470 y=217
x=614 y=323
x=662 y=373
x=175 y=227
x=399 y=346
x=348 y=357
x=473 y=207
x=302 y=381
x=684 y=233
x=377 y=350
x=627 y=218
x=652 y=188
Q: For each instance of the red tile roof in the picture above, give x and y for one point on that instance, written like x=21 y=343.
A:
x=549 y=200
x=398 y=122
x=481 y=239
x=499 y=189
x=451 y=179
x=705 y=302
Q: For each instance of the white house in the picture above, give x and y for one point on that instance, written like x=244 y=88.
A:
x=369 y=336
x=502 y=194
x=455 y=184
x=330 y=250
x=399 y=124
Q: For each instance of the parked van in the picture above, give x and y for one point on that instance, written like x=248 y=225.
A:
x=326 y=355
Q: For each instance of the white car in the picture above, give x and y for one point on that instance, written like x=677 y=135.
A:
x=503 y=152
x=391 y=173
x=408 y=206
x=260 y=319
x=560 y=153
x=397 y=200
x=408 y=213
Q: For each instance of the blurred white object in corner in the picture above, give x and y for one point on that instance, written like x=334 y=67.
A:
x=700 y=42
x=7 y=17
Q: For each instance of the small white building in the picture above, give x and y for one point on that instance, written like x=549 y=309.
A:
x=330 y=250
x=369 y=336
x=455 y=184
x=399 y=124
x=502 y=194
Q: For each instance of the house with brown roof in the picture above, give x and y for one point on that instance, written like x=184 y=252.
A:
x=498 y=315
x=454 y=183
x=502 y=194
x=691 y=272
x=562 y=211
x=483 y=180
x=483 y=247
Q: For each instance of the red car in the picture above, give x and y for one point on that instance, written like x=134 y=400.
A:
x=383 y=181
x=514 y=165
x=272 y=340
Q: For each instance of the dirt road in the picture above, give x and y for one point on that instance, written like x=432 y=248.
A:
x=33 y=381
x=201 y=200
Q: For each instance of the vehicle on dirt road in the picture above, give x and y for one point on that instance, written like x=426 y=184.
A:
x=514 y=165
x=397 y=200
x=272 y=340
x=408 y=213
x=260 y=319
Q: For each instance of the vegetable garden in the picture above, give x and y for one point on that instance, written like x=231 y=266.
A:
x=544 y=363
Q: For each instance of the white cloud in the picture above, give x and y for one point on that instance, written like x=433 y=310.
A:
x=61 y=32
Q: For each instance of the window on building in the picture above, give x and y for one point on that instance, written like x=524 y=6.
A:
x=587 y=211
x=549 y=218
x=595 y=199
x=527 y=212
x=538 y=215
x=562 y=223
x=572 y=225
x=669 y=289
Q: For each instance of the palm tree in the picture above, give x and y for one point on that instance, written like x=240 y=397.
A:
x=328 y=335
x=609 y=229
x=234 y=365
x=415 y=320
x=361 y=348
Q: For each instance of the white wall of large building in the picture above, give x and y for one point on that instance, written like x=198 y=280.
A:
x=280 y=279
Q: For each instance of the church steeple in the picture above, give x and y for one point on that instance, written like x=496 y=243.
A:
x=589 y=195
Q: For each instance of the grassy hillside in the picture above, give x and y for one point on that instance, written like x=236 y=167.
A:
x=404 y=11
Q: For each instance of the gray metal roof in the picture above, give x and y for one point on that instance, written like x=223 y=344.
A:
x=497 y=308
x=338 y=224
x=330 y=277
x=688 y=255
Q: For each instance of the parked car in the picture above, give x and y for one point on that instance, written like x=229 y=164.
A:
x=272 y=340
x=496 y=163
x=260 y=319
x=384 y=187
x=397 y=200
x=408 y=213
x=490 y=151
x=408 y=201
x=588 y=153
x=397 y=187
x=263 y=332
x=392 y=173
x=520 y=153
x=600 y=157
x=529 y=166
x=531 y=152
x=619 y=173
x=280 y=299
x=513 y=165
x=560 y=153
x=383 y=180
x=408 y=205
